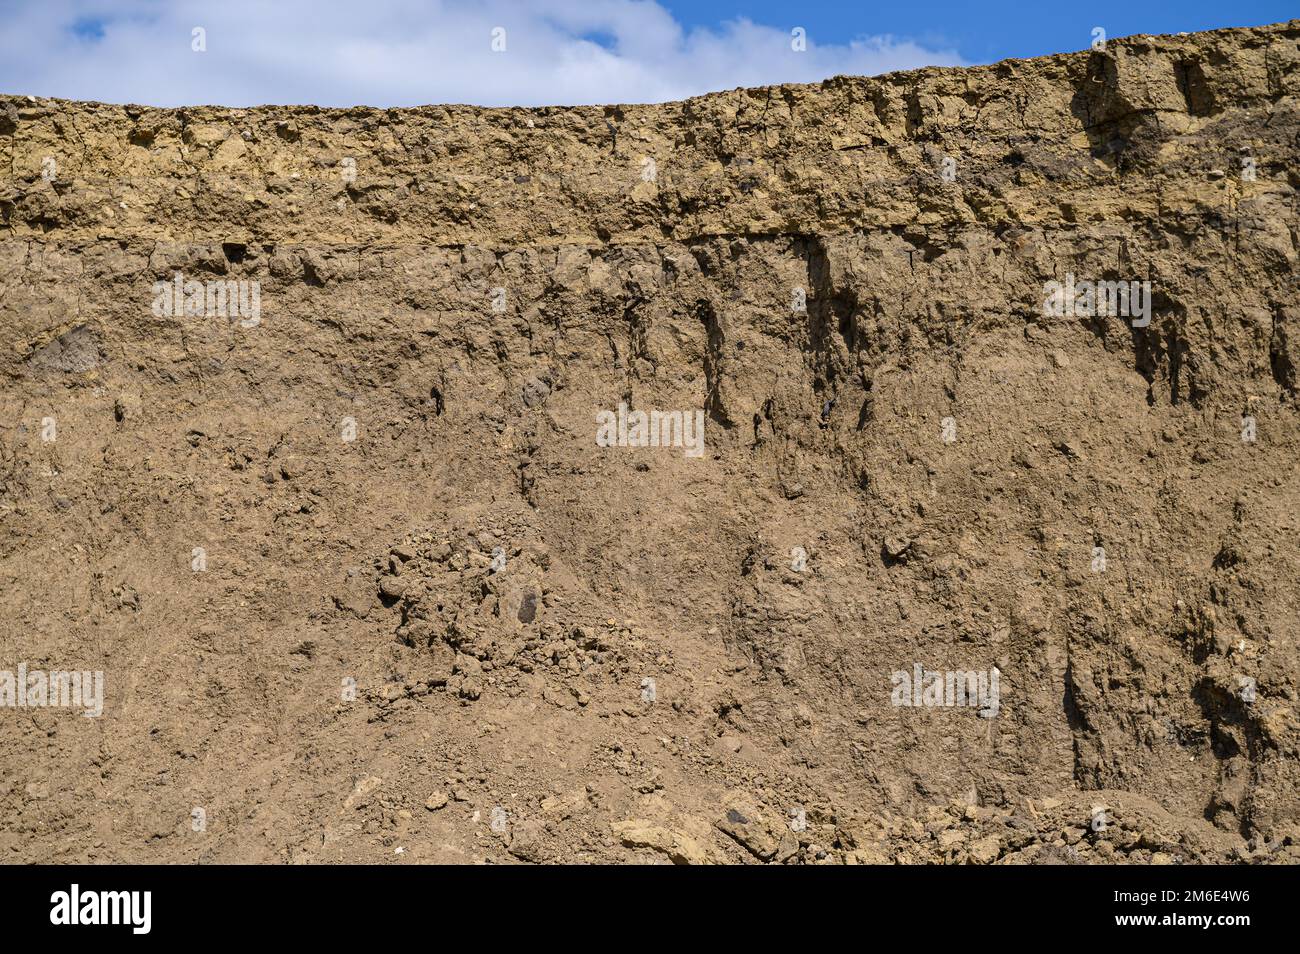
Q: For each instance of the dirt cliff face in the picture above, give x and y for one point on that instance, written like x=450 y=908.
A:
x=319 y=439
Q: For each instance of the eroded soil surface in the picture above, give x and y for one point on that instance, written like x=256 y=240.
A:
x=365 y=588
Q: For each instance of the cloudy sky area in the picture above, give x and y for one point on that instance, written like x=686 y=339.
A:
x=411 y=52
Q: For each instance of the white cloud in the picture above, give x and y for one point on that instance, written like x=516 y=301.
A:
x=407 y=52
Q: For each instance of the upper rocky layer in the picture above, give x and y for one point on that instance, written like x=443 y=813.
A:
x=1149 y=131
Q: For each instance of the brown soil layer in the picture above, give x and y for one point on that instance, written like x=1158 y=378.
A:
x=1106 y=514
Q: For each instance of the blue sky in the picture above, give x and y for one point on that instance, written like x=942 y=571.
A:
x=990 y=31
x=413 y=52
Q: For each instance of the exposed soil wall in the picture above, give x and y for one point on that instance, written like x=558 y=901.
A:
x=360 y=576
